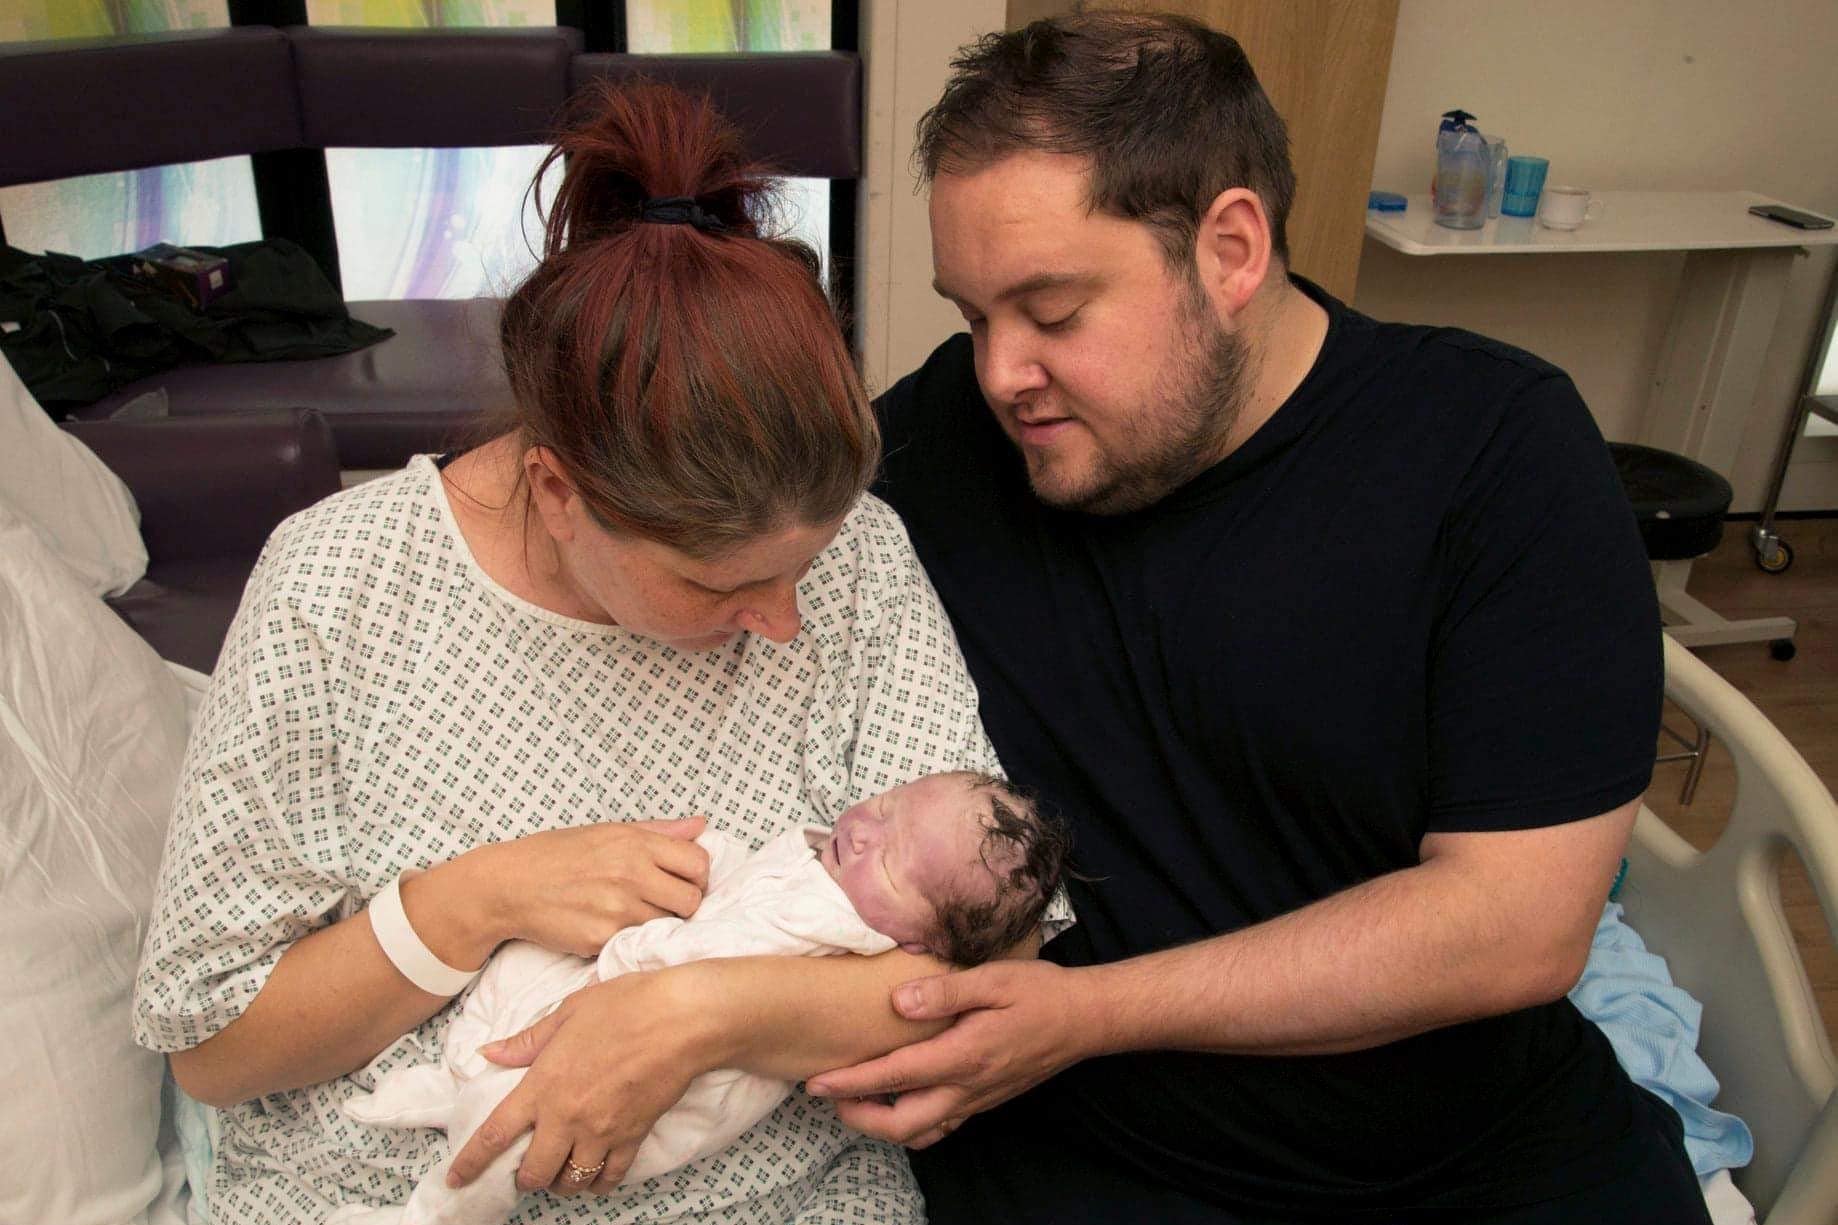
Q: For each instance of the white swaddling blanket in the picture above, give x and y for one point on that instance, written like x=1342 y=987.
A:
x=777 y=900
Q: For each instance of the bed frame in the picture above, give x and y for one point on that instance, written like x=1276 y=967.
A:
x=1716 y=916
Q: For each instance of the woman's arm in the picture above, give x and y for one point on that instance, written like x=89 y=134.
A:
x=607 y=1064
x=334 y=1001
x=793 y=1017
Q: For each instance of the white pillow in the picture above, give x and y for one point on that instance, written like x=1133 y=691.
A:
x=92 y=732
x=83 y=509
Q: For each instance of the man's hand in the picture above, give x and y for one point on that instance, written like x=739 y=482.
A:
x=1018 y=1022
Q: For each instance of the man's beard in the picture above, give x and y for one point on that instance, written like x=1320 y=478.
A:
x=1201 y=400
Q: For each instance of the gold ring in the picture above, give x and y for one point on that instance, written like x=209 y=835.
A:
x=580 y=1173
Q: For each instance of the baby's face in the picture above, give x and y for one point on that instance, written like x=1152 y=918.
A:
x=895 y=853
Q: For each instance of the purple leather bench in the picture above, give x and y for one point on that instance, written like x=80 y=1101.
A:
x=210 y=489
x=256 y=89
x=430 y=387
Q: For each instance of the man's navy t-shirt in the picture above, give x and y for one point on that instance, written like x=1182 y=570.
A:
x=1414 y=601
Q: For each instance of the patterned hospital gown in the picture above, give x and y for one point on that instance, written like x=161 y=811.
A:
x=382 y=704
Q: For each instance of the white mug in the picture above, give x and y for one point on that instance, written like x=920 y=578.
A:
x=1565 y=208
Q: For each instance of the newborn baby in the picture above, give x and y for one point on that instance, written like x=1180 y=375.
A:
x=957 y=865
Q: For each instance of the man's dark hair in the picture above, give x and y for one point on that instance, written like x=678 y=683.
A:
x=1169 y=112
x=1024 y=848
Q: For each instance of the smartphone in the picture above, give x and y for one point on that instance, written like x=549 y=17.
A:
x=1791 y=216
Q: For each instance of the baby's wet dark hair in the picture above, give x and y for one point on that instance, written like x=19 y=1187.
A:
x=1025 y=848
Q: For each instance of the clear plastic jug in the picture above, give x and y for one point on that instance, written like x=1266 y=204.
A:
x=1458 y=196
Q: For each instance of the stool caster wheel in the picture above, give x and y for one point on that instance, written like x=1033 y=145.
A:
x=1777 y=561
x=1783 y=649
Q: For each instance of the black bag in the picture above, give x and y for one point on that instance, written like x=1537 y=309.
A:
x=76 y=330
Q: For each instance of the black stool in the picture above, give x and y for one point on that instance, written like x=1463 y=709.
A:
x=1679 y=504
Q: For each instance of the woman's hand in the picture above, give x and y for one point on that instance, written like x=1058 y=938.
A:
x=603 y=1068
x=570 y=890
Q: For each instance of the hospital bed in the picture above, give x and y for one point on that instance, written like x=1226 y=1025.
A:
x=1716 y=917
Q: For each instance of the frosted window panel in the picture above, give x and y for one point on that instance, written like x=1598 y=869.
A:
x=665 y=26
x=431 y=12
x=804 y=212
x=196 y=204
x=21 y=20
x=461 y=223
x=436 y=223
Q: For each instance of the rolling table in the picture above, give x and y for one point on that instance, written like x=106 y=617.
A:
x=1722 y=322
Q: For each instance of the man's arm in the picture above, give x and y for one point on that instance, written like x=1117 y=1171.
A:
x=1486 y=923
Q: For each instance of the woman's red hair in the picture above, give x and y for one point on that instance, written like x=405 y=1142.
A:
x=694 y=383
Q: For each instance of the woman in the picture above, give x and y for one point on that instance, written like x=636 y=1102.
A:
x=659 y=593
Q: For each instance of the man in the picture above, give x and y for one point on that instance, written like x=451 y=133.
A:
x=1336 y=642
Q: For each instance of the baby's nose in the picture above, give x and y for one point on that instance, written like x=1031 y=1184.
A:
x=858 y=836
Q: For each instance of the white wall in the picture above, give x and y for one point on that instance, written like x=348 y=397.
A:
x=906 y=52
x=1629 y=94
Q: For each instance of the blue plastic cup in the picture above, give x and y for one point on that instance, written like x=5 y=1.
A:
x=1524 y=182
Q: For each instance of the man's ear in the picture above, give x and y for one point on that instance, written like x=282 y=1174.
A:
x=550 y=492
x=1233 y=249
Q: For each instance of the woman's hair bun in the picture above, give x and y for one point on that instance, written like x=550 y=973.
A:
x=684 y=369
x=640 y=140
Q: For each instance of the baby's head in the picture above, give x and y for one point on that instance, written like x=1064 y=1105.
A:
x=957 y=865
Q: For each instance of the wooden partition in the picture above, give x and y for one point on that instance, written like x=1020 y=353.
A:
x=1324 y=64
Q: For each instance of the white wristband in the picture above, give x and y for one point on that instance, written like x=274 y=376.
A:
x=404 y=948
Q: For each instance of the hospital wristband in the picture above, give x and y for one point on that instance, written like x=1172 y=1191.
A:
x=404 y=948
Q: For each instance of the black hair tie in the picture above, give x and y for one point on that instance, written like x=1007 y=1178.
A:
x=680 y=210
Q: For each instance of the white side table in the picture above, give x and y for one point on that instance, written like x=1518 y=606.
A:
x=1722 y=322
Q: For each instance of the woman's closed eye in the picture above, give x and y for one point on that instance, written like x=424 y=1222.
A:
x=727 y=591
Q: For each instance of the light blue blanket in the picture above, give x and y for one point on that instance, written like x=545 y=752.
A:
x=1653 y=1027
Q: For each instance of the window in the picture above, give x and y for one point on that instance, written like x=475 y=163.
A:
x=435 y=223
x=23 y=20
x=665 y=26
x=200 y=203
x=430 y=12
